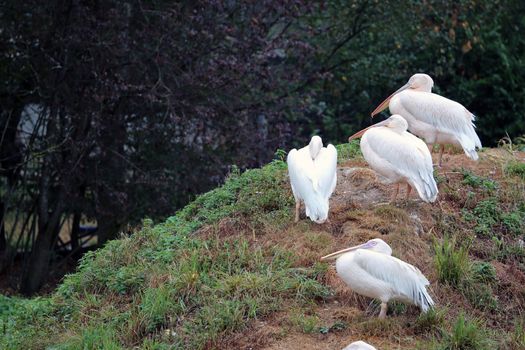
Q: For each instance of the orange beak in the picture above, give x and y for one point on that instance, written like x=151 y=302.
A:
x=360 y=133
x=386 y=102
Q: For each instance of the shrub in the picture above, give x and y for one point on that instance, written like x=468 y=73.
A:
x=478 y=181
x=487 y=214
x=514 y=221
x=483 y=272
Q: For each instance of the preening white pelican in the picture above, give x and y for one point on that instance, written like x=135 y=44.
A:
x=399 y=156
x=359 y=345
x=432 y=117
x=313 y=175
x=370 y=270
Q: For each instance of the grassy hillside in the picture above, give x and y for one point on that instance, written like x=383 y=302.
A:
x=232 y=270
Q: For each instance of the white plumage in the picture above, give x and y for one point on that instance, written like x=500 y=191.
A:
x=370 y=270
x=313 y=176
x=432 y=117
x=359 y=345
x=399 y=156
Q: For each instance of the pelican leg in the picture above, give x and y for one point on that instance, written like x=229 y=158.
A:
x=382 y=314
x=441 y=150
x=409 y=189
x=394 y=195
x=297 y=209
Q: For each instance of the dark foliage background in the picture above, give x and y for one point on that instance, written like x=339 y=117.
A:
x=112 y=110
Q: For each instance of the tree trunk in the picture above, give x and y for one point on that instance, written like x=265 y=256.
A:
x=38 y=266
x=36 y=271
x=74 y=232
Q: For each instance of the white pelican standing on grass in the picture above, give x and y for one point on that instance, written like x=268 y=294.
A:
x=432 y=117
x=399 y=156
x=370 y=270
x=359 y=345
x=313 y=175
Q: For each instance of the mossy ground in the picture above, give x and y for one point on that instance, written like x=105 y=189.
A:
x=232 y=270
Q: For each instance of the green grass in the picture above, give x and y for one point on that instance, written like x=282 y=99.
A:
x=164 y=286
x=476 y=181
x=466 y=334
x=490 y=218
x=94 y=337
x=506 y=251
x=430 y=322
x=484 y=272
x=516 y=169
x=486 y=214
x=474 y=280
x=22 y=322
x=346 y=151
x=518 y=335
x=451 y=261
x=304 y=322
x=480 y=296
x=254 y=193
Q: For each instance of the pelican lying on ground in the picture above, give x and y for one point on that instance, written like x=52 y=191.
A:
x=370 y=270
x=359 y=345
x=432 y=117
x=399 y=156
x=313 y=175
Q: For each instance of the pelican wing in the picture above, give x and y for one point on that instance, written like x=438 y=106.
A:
x=445 y=115
x=408 y=155
x=305 y=184
x=301 y=168
x=326 y=167
x=406 y=280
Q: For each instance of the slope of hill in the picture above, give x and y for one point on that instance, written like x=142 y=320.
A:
x=232 y=270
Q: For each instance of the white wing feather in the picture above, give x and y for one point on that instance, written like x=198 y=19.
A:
x=408 y=155
x=446 y=115
x=408 y=282
x=326 y=167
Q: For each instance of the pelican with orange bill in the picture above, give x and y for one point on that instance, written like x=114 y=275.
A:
x=370 y=269
x=432 y=117
x=399 y=156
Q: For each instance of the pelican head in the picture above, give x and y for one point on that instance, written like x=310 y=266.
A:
x=395 y=122
x=315 y=145
x=418 y=82
x=376 y=244
x=359 y=345
x=421 y=82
